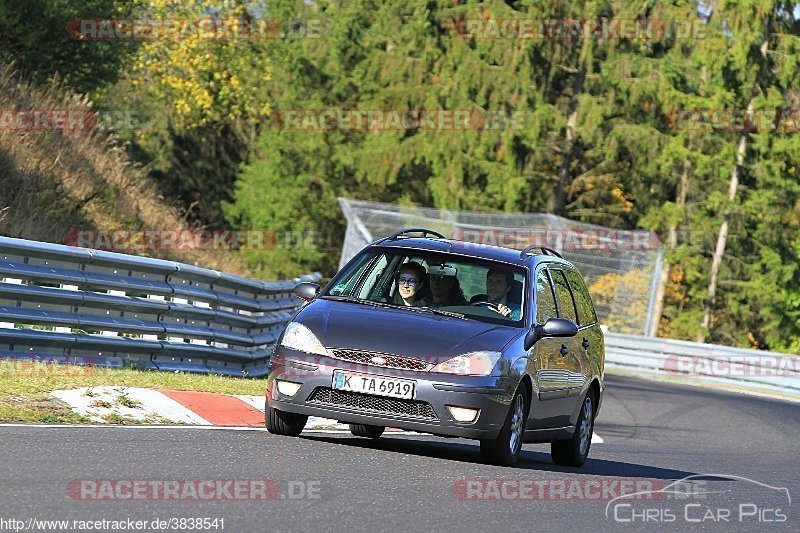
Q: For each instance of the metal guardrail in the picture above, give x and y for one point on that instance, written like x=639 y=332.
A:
x=740 y=368
x=74 y=305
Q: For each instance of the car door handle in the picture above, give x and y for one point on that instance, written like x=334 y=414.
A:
x=585 y=344
x=564 y=350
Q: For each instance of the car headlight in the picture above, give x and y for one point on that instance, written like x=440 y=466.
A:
x=300 y=338
x=469 y=364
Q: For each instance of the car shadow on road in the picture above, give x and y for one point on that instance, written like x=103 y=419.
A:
x=460 y=451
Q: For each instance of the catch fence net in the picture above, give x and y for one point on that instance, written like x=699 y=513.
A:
x=621 y=267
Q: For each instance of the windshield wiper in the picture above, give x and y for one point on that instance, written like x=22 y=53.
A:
x=443 y=313
x=357 y=301
x=394 y=306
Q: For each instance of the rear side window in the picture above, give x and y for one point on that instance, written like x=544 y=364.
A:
x=586 y=313
x=545 y=301
x=566 y=307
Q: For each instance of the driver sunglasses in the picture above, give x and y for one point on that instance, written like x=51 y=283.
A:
x=407 y=281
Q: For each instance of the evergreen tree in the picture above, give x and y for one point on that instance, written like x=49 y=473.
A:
x=598 y=129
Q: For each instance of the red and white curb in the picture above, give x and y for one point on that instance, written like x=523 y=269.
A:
x=110 y=404
x=100 y=404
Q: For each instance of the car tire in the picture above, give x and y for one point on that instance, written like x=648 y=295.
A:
x=283 y=422
x=575 y=450
x=506 y=448
x=366 y=430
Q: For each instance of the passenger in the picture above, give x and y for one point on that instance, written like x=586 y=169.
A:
x=498 y=286
x=410 y=286
x=445 y=289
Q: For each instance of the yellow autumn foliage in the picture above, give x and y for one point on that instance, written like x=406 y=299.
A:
x=621 y=300
x=206 y=78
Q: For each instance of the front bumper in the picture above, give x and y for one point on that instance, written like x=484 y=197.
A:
x=491 y=395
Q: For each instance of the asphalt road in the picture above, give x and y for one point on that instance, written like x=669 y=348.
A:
x=741 y=451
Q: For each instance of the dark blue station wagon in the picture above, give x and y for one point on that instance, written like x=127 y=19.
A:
x=452 y=338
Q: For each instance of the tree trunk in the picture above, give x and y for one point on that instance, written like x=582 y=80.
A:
x=569 y=145
x=672 y=243
x=722 y=237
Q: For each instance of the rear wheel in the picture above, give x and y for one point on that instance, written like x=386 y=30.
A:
x=574 y=451
x=505 y=449
x=365 y=430
x=283 y=422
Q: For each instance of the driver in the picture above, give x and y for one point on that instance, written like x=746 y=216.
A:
x=498 y=285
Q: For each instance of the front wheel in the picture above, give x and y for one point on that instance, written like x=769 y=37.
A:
x=574 y=451
x=505 y=449
x=283 y=422
x=365 y=430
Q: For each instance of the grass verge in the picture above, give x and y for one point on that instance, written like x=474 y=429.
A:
x=25 y=387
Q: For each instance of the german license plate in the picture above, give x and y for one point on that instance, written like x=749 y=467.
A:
x=382 y=386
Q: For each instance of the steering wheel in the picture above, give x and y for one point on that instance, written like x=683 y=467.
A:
x=486 y=303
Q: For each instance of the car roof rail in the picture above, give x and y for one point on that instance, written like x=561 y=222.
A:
x=425 y=232
x=545 y=250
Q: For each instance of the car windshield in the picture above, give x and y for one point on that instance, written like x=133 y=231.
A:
x=455 y=285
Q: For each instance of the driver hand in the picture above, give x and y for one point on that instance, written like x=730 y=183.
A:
x=503 y=309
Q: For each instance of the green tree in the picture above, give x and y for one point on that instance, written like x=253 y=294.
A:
x=595 y=129
x=34 y=34
x=760 y=52
x=198 y=97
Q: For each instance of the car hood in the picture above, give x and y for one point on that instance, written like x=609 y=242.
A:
x=428 y=336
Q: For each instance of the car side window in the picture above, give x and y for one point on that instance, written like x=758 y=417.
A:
x=566 y=306
x=351 y=277
x=375 y=276
x=545 y=301
x=586 y=312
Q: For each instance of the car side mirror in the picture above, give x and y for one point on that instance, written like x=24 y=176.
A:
x=554 y=327
x=306 y=290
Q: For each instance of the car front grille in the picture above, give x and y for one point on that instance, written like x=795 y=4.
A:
x=376 y=404
x=391 y=361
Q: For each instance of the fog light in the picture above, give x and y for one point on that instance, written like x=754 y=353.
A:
x=287 y=387
x=463 y=414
